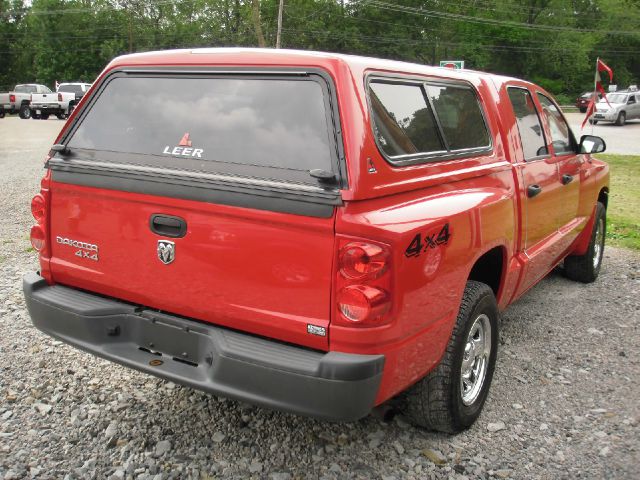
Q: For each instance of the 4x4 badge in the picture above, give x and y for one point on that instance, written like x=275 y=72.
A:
x=166 y=251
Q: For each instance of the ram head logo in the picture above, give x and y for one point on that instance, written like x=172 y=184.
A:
x=166 y=251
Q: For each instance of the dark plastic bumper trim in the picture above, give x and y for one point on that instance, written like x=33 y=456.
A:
x=332 y=386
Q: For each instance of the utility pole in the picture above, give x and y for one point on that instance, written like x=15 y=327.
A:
x=279 y=33
x=130 y=30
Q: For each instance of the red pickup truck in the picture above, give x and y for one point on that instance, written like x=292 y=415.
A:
x=310 y=232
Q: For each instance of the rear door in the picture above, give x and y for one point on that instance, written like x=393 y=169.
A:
x=190 y=192
x=563 y=150
x=541 y=194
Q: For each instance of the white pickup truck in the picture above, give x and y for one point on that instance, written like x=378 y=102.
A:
x=60 y=104
x=18 y=100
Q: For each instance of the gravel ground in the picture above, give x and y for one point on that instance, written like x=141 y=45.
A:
x=564 y=401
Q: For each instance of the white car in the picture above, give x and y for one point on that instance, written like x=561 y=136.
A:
x=618 y=107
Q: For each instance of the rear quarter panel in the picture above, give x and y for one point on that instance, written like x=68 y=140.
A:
x=475 y=197
x=428 y=287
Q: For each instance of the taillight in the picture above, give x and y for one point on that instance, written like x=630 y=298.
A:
x=38 y=206
x=12 y=98
x=360 y=259
x=37 y=237
x=40 y=232
x=59 y=97
x=363 y=284
x=39 y=212
x=360 y=303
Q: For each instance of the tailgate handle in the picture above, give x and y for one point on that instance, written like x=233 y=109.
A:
x=168 y=225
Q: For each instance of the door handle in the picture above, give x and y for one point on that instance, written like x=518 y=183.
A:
x=566 y=179
x=533 y=190
x=168 y=226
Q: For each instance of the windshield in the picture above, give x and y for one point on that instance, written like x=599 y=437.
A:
x=615 y=98
x=26 y=89
x=212 y=124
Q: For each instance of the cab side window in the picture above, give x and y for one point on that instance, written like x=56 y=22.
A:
x=403 y=121
x=632 y=99
x=423 y=121
x=460 y=116
x=561 y=136
x=531 y=134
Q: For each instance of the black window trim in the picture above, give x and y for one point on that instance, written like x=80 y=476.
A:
x=435 y=156
x=318 y=75
x=544 y=135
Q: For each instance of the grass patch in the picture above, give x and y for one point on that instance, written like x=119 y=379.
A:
x=623 y=212
x=29 y=250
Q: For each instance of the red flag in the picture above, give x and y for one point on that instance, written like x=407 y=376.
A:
x=597 y=87
x=603 y=67
x=590 y=110
x=600 y=88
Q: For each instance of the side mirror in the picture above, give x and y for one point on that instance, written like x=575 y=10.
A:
x=592 y=144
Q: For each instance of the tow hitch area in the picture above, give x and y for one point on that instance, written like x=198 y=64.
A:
x=167 y=340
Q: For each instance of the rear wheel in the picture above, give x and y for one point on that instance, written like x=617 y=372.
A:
x=35 y=116
x=583 y=110
x=61 y=116
x=622 y=119
x=1 y=114
x=593 y=122
x=450 y=398
x=44 y=116
x=585 y=268
x=24 y=112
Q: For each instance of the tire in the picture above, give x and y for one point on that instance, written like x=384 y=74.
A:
x=593 y=122
x=582 y=109
x=622 y=119
x=439 y=401
x=24 y=112
x=585 y=268
x=35 y=116
x=61 y=116
x=1 y=114
x=44 y=116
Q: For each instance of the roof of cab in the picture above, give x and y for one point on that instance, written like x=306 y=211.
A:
x=285 y=57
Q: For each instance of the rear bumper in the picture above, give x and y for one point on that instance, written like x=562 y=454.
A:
x=332 y=386
x=47 y=107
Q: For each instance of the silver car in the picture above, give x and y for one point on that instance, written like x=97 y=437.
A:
x=622 y=106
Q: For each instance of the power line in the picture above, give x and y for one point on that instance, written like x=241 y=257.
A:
x=490 y=21
x=467 y=34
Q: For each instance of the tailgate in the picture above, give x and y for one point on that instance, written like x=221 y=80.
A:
x=217 y=220
x=42 y=98
x=264 y=272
